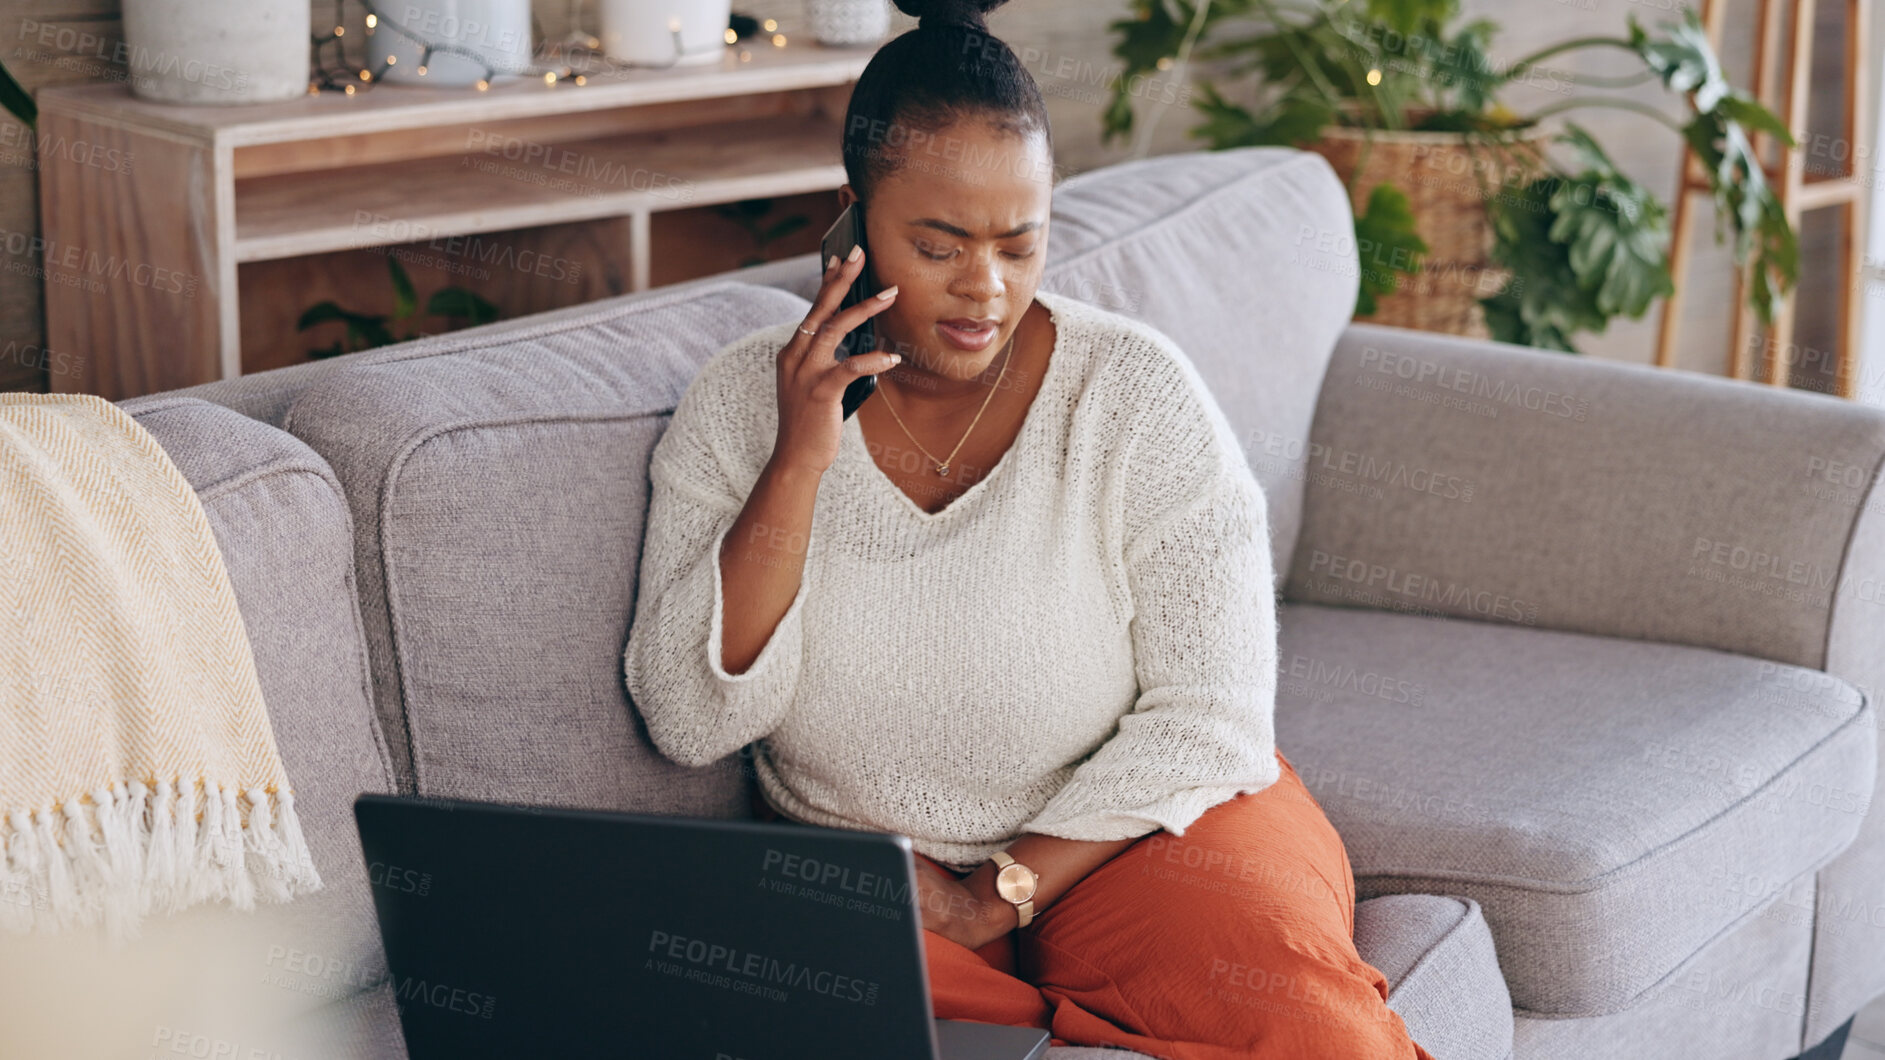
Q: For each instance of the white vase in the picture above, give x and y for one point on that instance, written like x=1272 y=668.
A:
x=643 y=31
x=216 y=51
x=496 y=31
x=849 y=23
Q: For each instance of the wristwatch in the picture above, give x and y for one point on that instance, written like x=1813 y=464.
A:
x=1015 y=882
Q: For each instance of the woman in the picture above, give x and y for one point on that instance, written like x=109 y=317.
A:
x=1017 y=608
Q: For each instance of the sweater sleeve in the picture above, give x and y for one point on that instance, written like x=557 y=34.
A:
x=1198 y=566
x=697 y=712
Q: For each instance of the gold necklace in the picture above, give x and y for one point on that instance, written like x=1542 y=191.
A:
x=942 y=467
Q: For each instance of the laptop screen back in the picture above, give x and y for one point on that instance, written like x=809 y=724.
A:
x=522 y=931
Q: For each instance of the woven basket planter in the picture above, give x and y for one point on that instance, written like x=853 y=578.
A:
x=1447 y=180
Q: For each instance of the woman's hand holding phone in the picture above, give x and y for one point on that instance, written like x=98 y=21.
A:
x=762 y=555
x=811 y=378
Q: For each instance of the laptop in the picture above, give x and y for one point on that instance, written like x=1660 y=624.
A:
x=529 y=931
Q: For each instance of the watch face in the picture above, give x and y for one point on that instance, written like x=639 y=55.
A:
x=1015 y=883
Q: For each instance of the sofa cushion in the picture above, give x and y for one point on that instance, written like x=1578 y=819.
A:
x=1442 y=971
x=1494 y=482
x=267 y=396
x=499 y=492
x=1745 y=995
x=1613 y=805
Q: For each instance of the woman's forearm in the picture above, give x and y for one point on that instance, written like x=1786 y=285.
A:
x=762 y=561
x=1059 y=864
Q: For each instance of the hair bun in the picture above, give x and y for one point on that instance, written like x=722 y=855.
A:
x=928 y=13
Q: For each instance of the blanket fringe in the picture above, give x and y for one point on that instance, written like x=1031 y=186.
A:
x=127 y=851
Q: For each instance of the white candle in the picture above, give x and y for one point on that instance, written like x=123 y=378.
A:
x=643 y=31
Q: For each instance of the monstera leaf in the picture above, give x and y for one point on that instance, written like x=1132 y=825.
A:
x=1582 y=248
x=1683 y=60
x=1616 y=233
x=1744 y=201
x=1542 y=304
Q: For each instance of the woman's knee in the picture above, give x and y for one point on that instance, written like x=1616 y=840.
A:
x=1352 y=1018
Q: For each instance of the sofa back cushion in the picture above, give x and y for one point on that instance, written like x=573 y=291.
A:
x=499 y=485
x=1246 y=258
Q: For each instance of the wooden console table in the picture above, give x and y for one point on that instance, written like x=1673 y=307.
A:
x=145 y=229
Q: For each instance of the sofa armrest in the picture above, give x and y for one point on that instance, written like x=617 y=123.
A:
x=1497 y=483
x=1480 y=480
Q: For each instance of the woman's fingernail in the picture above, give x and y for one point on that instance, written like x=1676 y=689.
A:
x=857 y=251
x=887 y=294
x=896 y=358
x=832 y=264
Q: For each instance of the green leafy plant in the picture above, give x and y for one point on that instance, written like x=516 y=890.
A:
x=1386 y=226
x=1582 y=243
x=364 y=331
x=17 y=101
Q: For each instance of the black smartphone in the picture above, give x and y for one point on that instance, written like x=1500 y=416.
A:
x=847 y=232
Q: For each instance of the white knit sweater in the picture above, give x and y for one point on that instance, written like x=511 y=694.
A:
x=1082 y=645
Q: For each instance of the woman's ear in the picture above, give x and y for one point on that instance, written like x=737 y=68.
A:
x=846 y=196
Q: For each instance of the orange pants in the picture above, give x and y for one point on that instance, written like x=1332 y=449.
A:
x=1232 y=942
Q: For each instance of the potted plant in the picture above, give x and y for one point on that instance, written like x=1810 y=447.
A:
x=1543 y=234
x=365 y=331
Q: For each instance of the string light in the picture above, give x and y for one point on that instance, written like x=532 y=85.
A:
x=574 y=59
x=340 y=75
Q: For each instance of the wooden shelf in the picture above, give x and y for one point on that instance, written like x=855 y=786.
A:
x=393 y=106
x=309 y=213
x=276 y=192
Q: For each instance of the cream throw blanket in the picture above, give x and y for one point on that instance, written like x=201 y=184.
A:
x=138 y=770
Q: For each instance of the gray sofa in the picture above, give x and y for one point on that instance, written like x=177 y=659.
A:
x=1579 y=657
